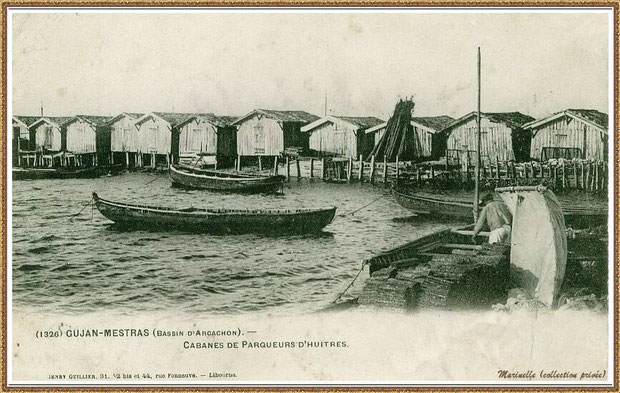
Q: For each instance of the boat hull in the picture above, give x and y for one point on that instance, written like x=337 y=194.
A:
x=215 y=221
x=423 y=204
x=220 y=181
x=62 y=173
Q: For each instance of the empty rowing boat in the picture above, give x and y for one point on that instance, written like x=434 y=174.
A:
x=461 y=208
x=223 y=181
x=215 y=220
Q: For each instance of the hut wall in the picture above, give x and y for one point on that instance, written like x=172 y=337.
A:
x=47 y=137
x=569 y=132
x=124 y=135
x=197 y=136
x=335 y=139
x=81 y=137
x=154 y=136
x=260 y=136
x=495 y=140
x=423 y=141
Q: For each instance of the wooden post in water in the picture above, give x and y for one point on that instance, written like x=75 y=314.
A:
x=385 y=169
x=397 y=169
x=298 y=168
x=288 y=168
x=372 y=169
x=275 y=165
x=361 y=173
x=350 y=169
x=563 y=174
x=575 y=174
x=596 y=175
x=311 y=168
x=478 y=139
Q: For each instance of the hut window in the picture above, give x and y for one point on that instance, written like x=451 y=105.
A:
x=49 y=137
x=196 y=139
x=259 y=139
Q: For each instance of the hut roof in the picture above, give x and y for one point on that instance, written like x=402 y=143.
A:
x=598 y=119
x=172 y=118
x=218 y=121
x=361 y=123
x=52 y=120
x=511 y=119
x=133 y=116
x=96 y=121
x=431 y=123
x=436 y=123
x=282 y=116
x=26 y=120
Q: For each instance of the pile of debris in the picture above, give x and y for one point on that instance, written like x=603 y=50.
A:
x=477 y=279
x=398 y=139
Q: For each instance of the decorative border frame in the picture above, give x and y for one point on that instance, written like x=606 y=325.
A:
x=473 y=4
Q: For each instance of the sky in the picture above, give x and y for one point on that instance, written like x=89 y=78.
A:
x=232 y=63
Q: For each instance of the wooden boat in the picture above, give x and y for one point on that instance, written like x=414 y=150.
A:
x=63 y=172
x=223 y=181
x=460 y=208
x=193 y=219
x=423 y=203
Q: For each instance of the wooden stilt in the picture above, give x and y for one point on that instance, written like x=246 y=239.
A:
x=385 y=169
x=596 y=187
x=311 y=168
x=298 y=168
x=563 y=174
x=275 y=165
x=126 y=159
x=372 y=169
x=323 y=169
x=288 y=168
x=575 y=174
x=361 y=172
x=260 y=163
x=397 y=169
x=350 y=169
x=168 y=160
x=153 y=160
x=112 y=158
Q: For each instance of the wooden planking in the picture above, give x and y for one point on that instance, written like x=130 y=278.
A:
x=124 y=135
x=154 y=136
x=48 y=137
x=335 y=139
x=259 y=135
x=198 y=136
x=81 y=137
x=495 y=141
x=568 y=132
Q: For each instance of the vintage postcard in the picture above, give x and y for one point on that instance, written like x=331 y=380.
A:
x=288 y=197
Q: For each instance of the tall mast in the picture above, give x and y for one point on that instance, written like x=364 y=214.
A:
x=477 y=190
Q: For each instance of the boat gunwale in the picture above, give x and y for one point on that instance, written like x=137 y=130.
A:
x=240 y=179
x=460 y=203
x=211 y=212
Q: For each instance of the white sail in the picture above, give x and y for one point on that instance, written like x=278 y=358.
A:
x=538 y=243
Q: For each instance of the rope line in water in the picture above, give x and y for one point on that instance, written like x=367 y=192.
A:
x=82 y=209
x=363 y=207
x=351 y=284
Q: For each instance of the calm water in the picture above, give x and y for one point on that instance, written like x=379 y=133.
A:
x=82 y=264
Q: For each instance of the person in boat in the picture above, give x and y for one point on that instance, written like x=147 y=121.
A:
x=496 y=217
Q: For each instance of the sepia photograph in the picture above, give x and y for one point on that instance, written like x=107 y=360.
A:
x=293 y=197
